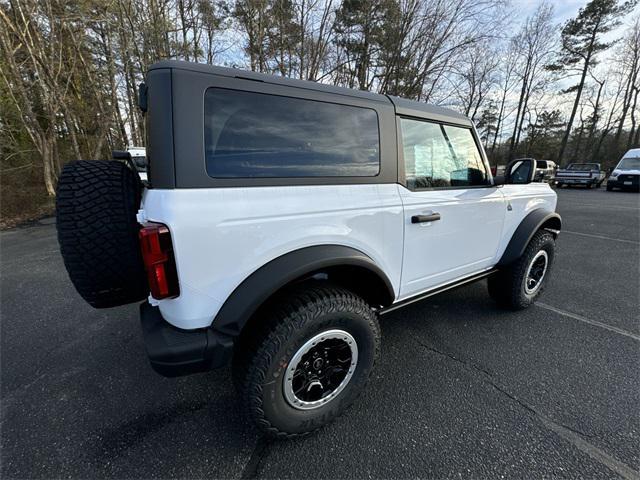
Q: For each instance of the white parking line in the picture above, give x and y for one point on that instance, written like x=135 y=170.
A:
x=594 y=452
x=601 y=237
x=617 y=207
x=589 y=321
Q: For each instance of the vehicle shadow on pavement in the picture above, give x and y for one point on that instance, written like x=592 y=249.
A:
x=462 y=388
x=197 y=427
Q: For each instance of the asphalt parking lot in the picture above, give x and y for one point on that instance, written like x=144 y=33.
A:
x=463 y=389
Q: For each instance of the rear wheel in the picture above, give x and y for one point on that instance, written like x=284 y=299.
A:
x=309 y=362
x=521 y=283
x=96 y=206
x=609 y=188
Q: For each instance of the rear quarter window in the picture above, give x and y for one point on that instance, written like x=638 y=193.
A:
x=255 y=135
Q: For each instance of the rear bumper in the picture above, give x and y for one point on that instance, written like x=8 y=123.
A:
x=174 y=352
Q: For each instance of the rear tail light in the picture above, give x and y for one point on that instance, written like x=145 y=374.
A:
x=157 y=255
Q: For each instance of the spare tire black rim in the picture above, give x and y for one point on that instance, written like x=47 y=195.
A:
x=536 y=272
x=320 y=369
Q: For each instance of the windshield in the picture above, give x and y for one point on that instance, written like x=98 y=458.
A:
x=583 y=166
x=629 y=163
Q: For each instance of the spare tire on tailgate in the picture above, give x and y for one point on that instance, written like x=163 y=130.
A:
x=96 y=208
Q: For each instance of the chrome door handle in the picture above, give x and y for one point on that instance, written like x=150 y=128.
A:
x=425 y=218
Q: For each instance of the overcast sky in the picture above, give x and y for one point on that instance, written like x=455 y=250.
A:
x=565 y=9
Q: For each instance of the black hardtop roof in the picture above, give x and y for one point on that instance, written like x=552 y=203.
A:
x=402 y=105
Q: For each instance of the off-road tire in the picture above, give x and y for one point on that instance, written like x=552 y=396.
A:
x=507 y=286
x=96 y=206
x=261 y=359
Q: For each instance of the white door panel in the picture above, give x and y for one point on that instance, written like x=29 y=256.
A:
x=463 y=241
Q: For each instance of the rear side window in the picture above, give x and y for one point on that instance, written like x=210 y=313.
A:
x=440 y=156
x=254 y=135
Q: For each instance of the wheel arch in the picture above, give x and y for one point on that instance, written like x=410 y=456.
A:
x=342 y=265
x=534 y=221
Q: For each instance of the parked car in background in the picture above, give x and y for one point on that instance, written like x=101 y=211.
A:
x=545 y=170
x=136 y=157
x=139 y=158
x=626 y=175
x=497 y=170
x=587 y=174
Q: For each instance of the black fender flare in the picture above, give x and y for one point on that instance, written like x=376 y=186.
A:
x=276 y=274
x=534 y=221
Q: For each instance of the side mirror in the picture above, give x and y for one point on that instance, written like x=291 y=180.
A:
x=499 y=180
x=521 y=171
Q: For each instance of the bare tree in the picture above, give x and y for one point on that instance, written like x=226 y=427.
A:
x=506 y=84
x=581 y=43
x=628 y=57
x=36 y=77
x=534 y=44
x=478 y=77
x=253 y=19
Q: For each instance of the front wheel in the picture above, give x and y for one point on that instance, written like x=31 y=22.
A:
x=521 y=283
x=309 y=362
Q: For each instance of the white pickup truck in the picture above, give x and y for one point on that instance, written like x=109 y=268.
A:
x=587 y=174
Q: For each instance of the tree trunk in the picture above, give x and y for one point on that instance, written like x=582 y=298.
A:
x=513 y=145
x=595 y=117
x=524 y=112
x=46 y=150
x=576 y=150
x=576 y=103
x=626 y=102
x=499 y=122
x=633 y=120
x=105 y=37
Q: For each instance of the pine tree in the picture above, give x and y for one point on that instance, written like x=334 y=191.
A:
x=581 y=43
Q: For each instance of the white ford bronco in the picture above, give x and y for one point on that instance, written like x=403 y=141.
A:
x=281 y=218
